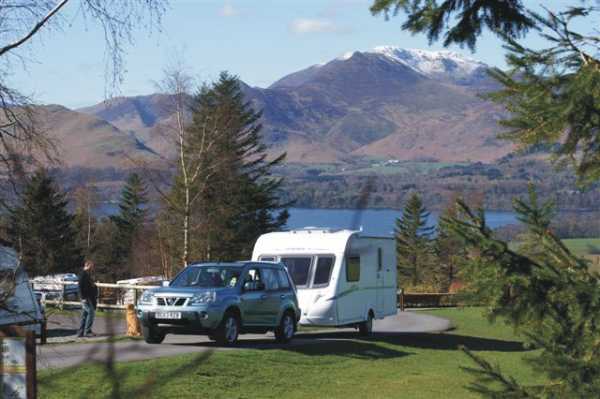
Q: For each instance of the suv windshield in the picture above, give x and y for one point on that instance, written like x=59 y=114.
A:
x=208 y=276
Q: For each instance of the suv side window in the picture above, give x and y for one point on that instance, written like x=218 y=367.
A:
x=284 y=283
x=253 y=274
x=270 y=279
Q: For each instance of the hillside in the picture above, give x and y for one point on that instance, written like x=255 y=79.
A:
x=87 y=140
x=385 y=103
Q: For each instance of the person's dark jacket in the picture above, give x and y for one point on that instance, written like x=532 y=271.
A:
x=87 y=288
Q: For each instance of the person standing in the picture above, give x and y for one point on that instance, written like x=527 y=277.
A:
x=88 y=293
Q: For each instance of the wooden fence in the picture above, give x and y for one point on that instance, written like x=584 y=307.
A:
x=425 y=299
x=109 y=295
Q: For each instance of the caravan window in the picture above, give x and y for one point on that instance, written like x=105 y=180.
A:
x=323 y=271
x=353 y=268
x=299 y=268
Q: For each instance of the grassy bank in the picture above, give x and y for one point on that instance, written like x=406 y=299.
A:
x=583 y=246
x=340 y=366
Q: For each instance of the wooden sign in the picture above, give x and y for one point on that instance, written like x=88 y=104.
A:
x=17 y=364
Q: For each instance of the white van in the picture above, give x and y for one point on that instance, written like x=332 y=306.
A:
x=343 y=277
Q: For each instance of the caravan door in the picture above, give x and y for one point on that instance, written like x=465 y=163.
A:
x=348 y=296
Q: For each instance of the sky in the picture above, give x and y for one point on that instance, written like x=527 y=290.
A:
x=260 y=41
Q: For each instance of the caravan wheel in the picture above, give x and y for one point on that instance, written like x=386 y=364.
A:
x=366 y=327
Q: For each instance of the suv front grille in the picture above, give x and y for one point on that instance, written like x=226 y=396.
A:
x=170 y=301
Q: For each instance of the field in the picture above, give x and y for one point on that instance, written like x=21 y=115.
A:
x=583 y=246
x=336 y=366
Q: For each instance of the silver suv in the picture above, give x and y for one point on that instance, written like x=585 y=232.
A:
x=222 y=300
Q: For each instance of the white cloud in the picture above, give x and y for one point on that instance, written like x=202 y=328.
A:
x=228 y=10
x=308 y=25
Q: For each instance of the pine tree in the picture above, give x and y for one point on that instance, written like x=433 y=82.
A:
x=132 y=203
x=42 y=230
x=550 y=296
x=413 y=244
x=234 y=197
x=128 y=223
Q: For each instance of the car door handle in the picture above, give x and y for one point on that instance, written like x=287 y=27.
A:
x=282 y=296
x=263 y=296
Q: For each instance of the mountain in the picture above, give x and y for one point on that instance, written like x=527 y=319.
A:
x=87 y=140
x=388 y=102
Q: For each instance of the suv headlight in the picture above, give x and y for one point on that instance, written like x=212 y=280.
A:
x=146 y=298
x=203 y=298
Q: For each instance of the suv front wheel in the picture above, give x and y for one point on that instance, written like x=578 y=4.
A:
x=153 y=335
x=228 y=331
x=287 y=326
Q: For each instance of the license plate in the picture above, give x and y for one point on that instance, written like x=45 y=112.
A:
x=167 y=315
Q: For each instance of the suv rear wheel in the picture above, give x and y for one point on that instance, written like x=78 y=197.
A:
x=228 y=331
x=287 y=326
x=153 y=335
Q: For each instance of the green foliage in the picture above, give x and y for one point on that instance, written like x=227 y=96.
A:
x=41 y=229
x=127 y=223
x=551 y=92
x=505 y=17
x=413 y=243
x=235 y=198
x=131 y=205
x=549 y=295
x=449 y=249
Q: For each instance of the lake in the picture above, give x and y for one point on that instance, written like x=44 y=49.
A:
x=379 y=222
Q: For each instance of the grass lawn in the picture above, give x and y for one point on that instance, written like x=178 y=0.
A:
x=406 y=366
x=583 y=246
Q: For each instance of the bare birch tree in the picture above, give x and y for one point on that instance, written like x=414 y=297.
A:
x=192 y=162
x=22 y=142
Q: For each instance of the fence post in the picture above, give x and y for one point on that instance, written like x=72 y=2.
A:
x=44 y=331
x=402 y=300
x=62 y=296
x=135 y=296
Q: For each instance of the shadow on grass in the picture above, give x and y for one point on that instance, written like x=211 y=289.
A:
x=345 y=343
x=437 y=341
x=307 y=345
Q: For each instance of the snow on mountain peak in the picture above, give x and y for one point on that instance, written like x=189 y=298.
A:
x=431 y=63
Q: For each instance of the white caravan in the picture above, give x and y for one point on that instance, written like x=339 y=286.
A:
x=343 y=277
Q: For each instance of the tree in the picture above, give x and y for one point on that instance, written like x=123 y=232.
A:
x=42 y=230
x=413 y=246
x=449 y=249
x=234 y=196
x=193 y=163
x=552 y=93
x=22 y=141
x=128 y=222
x=551 y=297
x=86 y=199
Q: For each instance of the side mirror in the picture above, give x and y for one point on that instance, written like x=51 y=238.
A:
x=165 y=283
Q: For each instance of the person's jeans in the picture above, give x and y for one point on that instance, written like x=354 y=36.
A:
x=88 y=311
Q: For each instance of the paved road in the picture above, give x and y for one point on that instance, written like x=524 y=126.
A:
x=86 y=351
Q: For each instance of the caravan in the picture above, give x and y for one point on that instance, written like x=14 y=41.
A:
x=344 y=278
